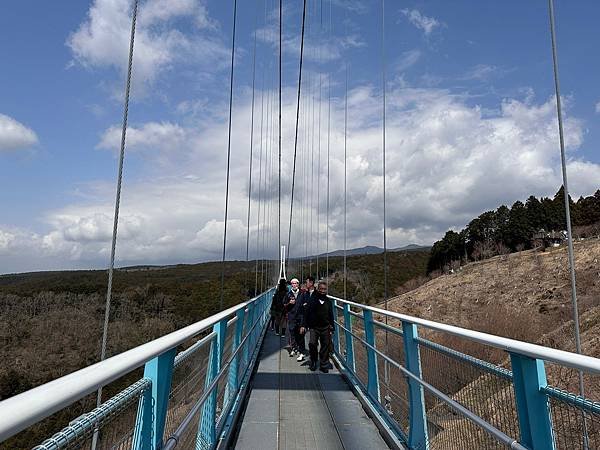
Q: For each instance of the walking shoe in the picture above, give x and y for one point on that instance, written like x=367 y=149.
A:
x=328 y=366
x=324 y=369
x=300 y=357
x=313 y=366
x=292 y=353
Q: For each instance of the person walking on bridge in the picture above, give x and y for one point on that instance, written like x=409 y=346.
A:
x=295 y=312
x=319 y=321
x=304 y=298
x=277 y=307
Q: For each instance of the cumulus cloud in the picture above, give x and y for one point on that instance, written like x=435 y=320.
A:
x=102 y=39
x=447 y=161
x=422 y=22
x=14 y=135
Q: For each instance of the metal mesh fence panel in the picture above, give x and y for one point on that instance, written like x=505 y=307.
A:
x=360 y=350
x=187 y=385
x=393 y=386
x=114 y=422
x=574 y=420
x=449 y=430
x=339 y=317
x=476 y=384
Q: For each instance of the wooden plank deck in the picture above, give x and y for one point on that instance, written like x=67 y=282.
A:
x=290 y=407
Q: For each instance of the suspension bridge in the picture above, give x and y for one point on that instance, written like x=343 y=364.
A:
x=227 y=381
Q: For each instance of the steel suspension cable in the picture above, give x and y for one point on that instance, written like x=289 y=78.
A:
x=260 y=158
x=279 y=177
x=345 y=178
x=383 y=155
x=228 y=157
x=328 y=144
x=319 y=146
x=117 y=204
x=567 y=206
x=297 y=124
x=251 y=153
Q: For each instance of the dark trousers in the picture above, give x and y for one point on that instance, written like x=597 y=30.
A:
x=299 y=340
x=321 y=336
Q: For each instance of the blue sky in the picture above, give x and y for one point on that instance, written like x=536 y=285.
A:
x=471 y=121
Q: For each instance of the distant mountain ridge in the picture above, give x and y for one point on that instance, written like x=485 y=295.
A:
x=373 y=250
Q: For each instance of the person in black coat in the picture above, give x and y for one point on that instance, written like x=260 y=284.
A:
x=295 y=313
x=319 y=321
x=277 y=307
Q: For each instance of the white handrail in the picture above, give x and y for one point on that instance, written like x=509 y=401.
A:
x=23 y=410
x=574 y=360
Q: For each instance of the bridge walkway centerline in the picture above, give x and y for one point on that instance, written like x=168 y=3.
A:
x=289 y=407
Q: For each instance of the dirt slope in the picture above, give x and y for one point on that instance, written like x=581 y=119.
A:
x=524 y=296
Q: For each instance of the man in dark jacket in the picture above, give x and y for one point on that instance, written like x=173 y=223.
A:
x=277 y=307
x=295 y=313
x=319 y=321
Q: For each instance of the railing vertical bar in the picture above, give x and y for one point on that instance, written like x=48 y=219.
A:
x=150 y=422
x=417 y=435
x=529 y=380
x=207 y=431
x=336 y=329
x=233 y=381
x=349 y=342
x=372 y=374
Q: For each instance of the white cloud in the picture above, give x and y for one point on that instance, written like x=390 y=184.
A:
x=102 y=40
x=408 y=59
x=152 y=135
x=598 y=107
x=422 y=22
x=14 y=135
x=447 y=161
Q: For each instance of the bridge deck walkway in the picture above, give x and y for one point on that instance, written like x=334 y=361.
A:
x=290 y=407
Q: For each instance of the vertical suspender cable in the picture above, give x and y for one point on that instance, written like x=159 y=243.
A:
x=345 y=177
x=117 y=203
x=567 y=206
x=319 y=148
x=260 y=158
x=279 y=172
x=228 y=156
x=251 y=154
x=328 y=142
x=383 y=147
x=296 y=132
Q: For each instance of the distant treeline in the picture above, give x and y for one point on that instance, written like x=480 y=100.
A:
x=512 y=229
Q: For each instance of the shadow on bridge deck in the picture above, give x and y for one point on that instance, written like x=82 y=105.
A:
x=290 y=407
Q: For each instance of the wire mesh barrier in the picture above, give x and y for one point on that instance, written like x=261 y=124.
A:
x=394 y=396
x=187 y=384
x=433 y=396
x=186 y=400
x=476 y=384
x=575 y=420
x=113 y=423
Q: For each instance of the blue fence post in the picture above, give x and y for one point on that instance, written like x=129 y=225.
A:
x=336 y=329
x=149 y=432
x=349 y=339
x=529 y=376
x=246 y=352
x=207 y=431
x=233 y=381
x=417 y=435
x=373 y=375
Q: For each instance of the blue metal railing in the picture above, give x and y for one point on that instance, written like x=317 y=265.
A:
x=430 y=396
x=190 y=398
